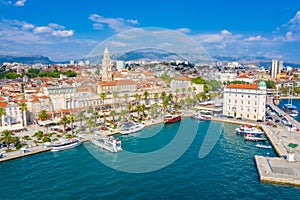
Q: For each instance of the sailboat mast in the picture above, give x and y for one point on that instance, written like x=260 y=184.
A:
x=292 y=94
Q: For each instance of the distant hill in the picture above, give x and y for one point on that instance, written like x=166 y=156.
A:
x=25 y=60
x=149 y=55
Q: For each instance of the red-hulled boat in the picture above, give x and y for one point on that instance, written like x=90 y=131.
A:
x=172 y=118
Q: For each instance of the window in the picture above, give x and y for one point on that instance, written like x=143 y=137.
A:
x=255 y=110
x=248 y=102
x=255 y=103
x=248 y=96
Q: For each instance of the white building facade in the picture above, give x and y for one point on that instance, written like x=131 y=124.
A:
x=245 y=101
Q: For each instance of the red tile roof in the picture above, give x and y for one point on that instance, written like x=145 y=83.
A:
x=3 y=104
x=243 y=86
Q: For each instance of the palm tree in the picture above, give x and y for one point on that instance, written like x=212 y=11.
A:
x=91 y=123
x=7 y=137
x=129 y=108
x=122 y=114
x=155 y=97
x=143 y=109
x=126 y=97
x=113 y=114
x=103 y=96
x=183 y=91
x=2 y=113
x=81 y=117
x=136 y=96
x=95 y=116
x=139 y=109
x=163 y=95
x=176 y=93
x=90 y=109
x=115 y=96
x=43 y=115
x=146 y=95
x=72 y=119
x=23 y=108
x=64 y=121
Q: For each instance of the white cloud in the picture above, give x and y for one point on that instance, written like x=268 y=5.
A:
x=184 y=30
x=27 y=26
x=63 y=33
x=5 y=2
x=289 y=32
x=256 y=38
x=118 y=44
x=56 y=26
x=20 y=3
x=117 y=24
x=226 y=33
x=42 y=29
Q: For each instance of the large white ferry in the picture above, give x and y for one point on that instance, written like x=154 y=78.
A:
x=131 y=127
x=108 y=143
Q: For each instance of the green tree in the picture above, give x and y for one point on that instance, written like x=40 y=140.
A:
x=126 y=97
x=122 y=114
x=7 y=137
x=198 y=80
x=155 y=97
x=103 y=96
x=139 y=109
x=113 y=114
x=64 y=121
x=23 y=108
x=146 y=95
x=43 y=115
x=271 y=84
x=81 y=117
x=71 y=120
x=2 y=113
x=163 y=95
x=91 y=123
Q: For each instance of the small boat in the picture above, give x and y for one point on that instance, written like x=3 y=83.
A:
x=202 y=117
x=131 y=127
x=254 y=138
x=263 y=146
x=108 y=143
x=172 y=119
x=290 y=109
x=66 y=144
x=248 y=129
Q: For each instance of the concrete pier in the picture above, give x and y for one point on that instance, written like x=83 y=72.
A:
x=278 y=170
x=19 y=154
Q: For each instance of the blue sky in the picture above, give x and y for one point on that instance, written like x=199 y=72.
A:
x=64 y=30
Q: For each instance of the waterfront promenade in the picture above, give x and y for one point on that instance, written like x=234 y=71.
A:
x=280 y=170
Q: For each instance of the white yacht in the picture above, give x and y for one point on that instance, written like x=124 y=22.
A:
x=108 y=143
x=131 y=127
x=65 y=144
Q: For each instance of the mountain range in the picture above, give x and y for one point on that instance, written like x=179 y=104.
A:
x=147 y=55
x=26 y=59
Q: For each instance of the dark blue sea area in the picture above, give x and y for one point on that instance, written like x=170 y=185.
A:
x=227 y=172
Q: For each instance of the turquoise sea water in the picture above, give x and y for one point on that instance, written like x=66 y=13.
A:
x=227 y=172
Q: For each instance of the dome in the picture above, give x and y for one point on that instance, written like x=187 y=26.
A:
x=262 y=84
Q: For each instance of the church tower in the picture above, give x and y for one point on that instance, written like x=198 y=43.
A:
x=106 y=67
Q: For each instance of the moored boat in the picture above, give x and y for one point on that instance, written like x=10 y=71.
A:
x=254 y=138
x=108 y=143
x=172 y=118
x=290 y=109
x=202 y=117
x=131 y=127
x=248 y=129
x=66 y=144
x=263 y=146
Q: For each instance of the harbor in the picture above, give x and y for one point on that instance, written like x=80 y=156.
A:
x=286 y=168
